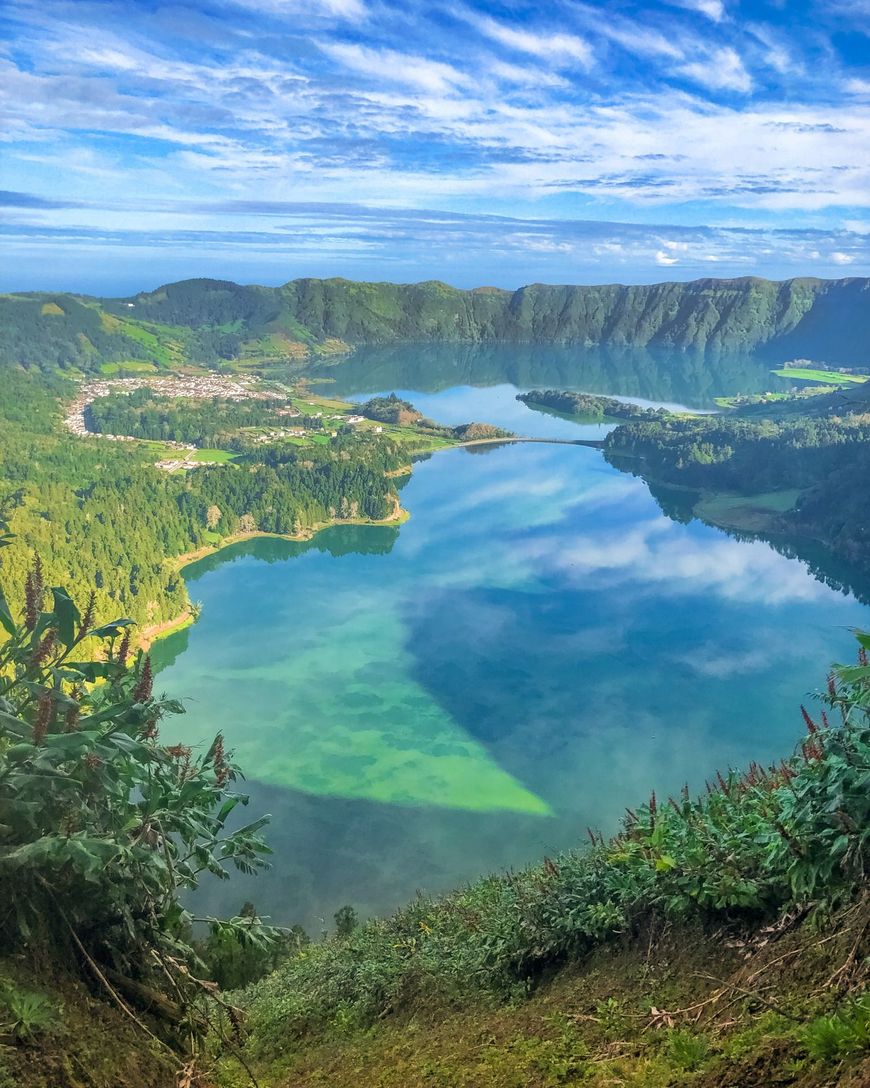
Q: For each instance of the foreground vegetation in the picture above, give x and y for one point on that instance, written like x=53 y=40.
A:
x=766 y=844
x=104 y=826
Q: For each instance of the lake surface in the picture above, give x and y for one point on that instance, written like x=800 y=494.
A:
x=534 y=650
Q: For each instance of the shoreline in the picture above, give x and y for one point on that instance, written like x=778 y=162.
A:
x=188 y=616
x=152 y=633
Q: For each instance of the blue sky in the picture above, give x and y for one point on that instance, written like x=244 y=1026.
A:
x=479 y=143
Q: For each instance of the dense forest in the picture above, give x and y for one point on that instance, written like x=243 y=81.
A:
x=100 y=514
x=214 y=422
x=587 y=404
x=219 y=323
x=824 y=455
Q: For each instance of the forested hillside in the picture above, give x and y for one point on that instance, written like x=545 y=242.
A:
x=101 y=514
x=801 y=464
x=213 y=322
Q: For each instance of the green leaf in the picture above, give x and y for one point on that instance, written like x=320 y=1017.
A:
x=16 y=726
x=6 y=616
x=111 y=630
x=68 y=617
x=227 y=807
x=92 y=670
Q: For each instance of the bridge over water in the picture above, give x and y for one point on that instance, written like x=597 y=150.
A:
x=593 y=443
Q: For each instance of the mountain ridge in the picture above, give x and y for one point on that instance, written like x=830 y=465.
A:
x=213 y=321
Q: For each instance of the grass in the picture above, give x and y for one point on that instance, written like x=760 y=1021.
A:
x=613 y=1019
x=133 y=366
x=160 y=451
x=213 y=456
x=415 y=440
x=828 y=377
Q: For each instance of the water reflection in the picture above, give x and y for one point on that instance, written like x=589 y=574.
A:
x=693 y=379
x=536 y=648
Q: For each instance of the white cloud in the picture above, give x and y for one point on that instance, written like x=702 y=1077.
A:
x=395 y=67
x=664 y=258
x=713 y=9
x=531 y=77
x=838 y=257
x=712 y=661
x=557 y=47
x=660 y=553
x=351 y=10
x=722 y=70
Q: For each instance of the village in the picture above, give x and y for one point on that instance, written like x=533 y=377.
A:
x=198 y=387
x=195 y=387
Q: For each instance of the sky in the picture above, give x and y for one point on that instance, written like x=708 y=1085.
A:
x=476 y=143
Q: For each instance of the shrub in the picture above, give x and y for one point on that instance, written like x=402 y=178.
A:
x=686 y=1050
x=103 y=826
x=24 y=1014
x=843 y=1035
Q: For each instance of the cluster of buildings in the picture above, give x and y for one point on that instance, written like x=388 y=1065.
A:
x=175 y=464
x=198 y=387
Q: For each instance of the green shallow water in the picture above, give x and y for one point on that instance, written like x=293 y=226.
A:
x=534 y=650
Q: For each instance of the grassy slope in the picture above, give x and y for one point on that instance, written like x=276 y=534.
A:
x=676 y=1007
x=87 y=1041
x=828 y=377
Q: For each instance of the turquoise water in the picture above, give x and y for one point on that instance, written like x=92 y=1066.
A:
x=534 y=650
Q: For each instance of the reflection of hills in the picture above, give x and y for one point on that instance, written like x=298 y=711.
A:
x=689 y=378
x=337 y=540
x=833 y=571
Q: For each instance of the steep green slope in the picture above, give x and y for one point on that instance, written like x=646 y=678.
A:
x=722 y=314
x=211 y=321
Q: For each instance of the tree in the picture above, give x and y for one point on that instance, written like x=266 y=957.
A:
x=346 y=921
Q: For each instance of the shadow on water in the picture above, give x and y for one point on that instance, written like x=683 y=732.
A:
x=329 y=851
